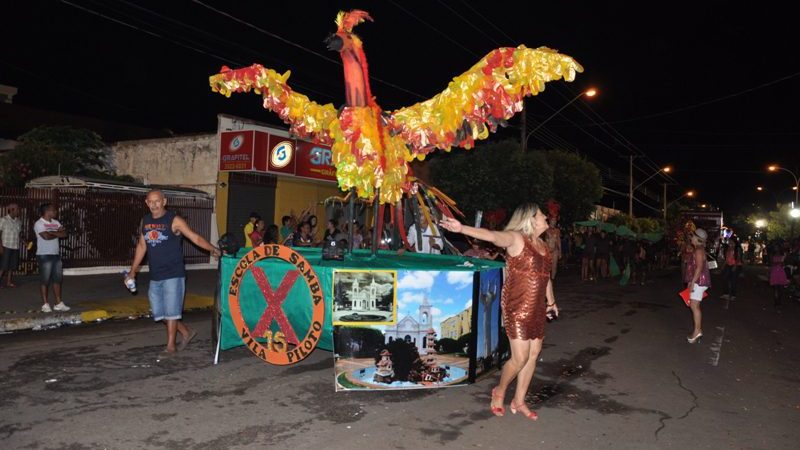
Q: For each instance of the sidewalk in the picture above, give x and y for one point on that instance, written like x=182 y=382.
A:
x=92 y=298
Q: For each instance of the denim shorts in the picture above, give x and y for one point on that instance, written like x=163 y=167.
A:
x=9 y=259
x=50 y=269
x=166 y=298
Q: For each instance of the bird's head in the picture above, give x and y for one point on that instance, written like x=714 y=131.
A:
x=344 y=38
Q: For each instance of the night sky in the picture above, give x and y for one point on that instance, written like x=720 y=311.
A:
x=710 y=87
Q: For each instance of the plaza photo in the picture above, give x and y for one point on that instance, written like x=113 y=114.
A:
x=428 y=345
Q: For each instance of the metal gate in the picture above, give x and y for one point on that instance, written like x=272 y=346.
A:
x=102 y=226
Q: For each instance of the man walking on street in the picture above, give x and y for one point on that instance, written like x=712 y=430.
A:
x=48 y=256
x=10 y=227
x=160 y=238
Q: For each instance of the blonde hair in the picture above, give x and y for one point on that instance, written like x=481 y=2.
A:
x=521 y=219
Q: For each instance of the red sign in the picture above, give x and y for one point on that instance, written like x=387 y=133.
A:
x=282 y=155
x=260 y=151
x=315 y=161
x=236 y=151
x=257 y=151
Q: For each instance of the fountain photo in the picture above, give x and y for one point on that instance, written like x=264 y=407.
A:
x=427 y=347
x=364 y=297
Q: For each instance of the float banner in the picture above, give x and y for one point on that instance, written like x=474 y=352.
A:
x=416 y=306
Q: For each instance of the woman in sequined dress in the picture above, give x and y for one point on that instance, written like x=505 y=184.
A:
x=526 y=299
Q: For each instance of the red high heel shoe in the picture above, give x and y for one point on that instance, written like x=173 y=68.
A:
x=498 y=411
x=530 y=414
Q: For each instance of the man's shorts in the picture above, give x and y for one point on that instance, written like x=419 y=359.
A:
x=697 y=293
x=50 y=269
x=9 y=260
x=166 y=298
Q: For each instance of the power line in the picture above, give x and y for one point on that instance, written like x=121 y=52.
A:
x=151 y=33
x=707 y=102
x=438 y=30
x=620 y=138
x=483 y=16
x=50 y=81
x=468 y=22
x=294 y=44
x=234 y=45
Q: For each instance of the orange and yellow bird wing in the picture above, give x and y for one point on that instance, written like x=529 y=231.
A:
x=307 y=119
x=476 y=101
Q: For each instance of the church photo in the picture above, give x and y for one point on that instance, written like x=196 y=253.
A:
x=364 y=297
x=413 y=352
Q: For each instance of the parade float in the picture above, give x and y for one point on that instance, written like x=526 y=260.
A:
x=393 y=319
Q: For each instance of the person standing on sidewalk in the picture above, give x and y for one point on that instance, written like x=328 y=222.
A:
x=527 y=298
x=48 y=256
x=160 y=238
x=10 y=227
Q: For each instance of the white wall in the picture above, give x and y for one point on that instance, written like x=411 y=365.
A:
x=186 y=161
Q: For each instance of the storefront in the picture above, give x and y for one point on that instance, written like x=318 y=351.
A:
x=263 y=169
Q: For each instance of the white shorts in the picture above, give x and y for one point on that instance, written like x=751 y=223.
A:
x=697 y=292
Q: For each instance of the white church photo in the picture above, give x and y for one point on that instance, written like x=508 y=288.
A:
x=365 y=297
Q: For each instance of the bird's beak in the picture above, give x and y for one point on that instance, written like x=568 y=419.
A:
x=334 y=42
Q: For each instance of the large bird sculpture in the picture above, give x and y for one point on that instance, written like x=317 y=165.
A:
x=372 y=147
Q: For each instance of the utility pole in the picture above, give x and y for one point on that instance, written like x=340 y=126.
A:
x=630 y=189
x=665 y=202
x=524 y=134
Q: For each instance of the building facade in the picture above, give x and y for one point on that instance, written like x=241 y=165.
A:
x=458 y=325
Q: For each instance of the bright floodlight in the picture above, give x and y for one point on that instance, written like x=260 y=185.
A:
x=690 y=194
x=759 y=188
x=761 y=223
x=795 y=213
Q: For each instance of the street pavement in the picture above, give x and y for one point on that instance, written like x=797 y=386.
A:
x=92 y=298
x=616 y=372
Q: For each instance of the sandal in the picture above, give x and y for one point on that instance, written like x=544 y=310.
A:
x=498 y=411
x=530 y=414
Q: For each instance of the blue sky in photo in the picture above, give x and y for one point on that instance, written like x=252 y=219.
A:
x=449 y=293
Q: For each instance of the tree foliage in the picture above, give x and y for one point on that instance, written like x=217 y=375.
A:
x=501 y=175
x=577 y=185
x=780 y=224
x=494 y=175
x=50 y=150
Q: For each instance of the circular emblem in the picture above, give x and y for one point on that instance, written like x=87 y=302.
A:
x=284 y=346
x=281 y=154
x=236 y=142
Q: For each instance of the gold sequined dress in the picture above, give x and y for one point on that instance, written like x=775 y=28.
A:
x=524 y=299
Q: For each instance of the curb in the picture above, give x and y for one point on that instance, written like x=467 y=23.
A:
x=125 y=309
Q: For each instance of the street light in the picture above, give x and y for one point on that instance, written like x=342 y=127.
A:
x=796 y=188
x=631 y=188
x=689 y=194
x=589 y=93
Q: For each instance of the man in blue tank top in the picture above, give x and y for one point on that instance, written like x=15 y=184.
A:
x=160 y=238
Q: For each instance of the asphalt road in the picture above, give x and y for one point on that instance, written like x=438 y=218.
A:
x=616 y=372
